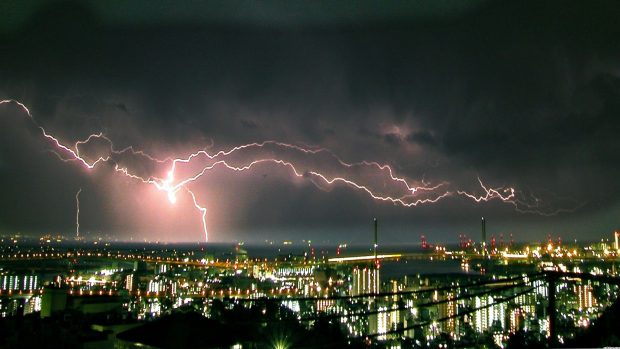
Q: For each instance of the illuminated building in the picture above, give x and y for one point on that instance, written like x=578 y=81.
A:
x=129 y=283
x=448 y=309
x=32 y=305
x=540 y=288
x=491 y=314
x=526 y=303
x=17 y=282
x=156 y=286
x=385 y=320
x=395 y=316
x=585 y=299
x=162 y=268
x=323 y=305
x=481 y=317
x=153 y=307
x=289 y=270
x=516 y=320
x=365 y=280
x=498 y=315
x=382 y=322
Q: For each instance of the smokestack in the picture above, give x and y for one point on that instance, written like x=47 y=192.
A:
x=484 y=235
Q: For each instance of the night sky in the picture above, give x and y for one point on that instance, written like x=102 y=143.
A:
x=519 y=94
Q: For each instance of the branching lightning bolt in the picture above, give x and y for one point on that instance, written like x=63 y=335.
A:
x=171 y=186
x=490 y=193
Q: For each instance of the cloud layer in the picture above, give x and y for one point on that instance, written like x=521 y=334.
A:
x=523 y=94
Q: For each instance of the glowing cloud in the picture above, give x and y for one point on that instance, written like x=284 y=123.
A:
x=394 y=189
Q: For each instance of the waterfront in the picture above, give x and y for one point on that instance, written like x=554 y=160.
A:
x=445 y=295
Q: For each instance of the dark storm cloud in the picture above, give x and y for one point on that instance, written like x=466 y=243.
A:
x=392 y=139
x=519 y=93
x=422 y=138
x=251 y=124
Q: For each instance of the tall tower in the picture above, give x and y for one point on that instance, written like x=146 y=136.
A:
x=484 y=236
x=376 y=244
x=376 y=279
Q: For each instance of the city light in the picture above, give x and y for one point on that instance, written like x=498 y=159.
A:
x=247 y=175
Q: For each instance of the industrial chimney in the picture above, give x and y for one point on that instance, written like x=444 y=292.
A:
x=376 y=243
x=484 y=236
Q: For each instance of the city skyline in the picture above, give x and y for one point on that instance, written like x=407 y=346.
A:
x=470 y=295
x=272 y=174
x=454 y=99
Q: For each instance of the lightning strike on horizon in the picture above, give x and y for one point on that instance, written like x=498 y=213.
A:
x=171 y=188
x=203 y=211
x=77 y=213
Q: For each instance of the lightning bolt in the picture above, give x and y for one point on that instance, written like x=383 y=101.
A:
x=203 y=212
x=410 y=193
x=77 y=213
x=504 y=194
